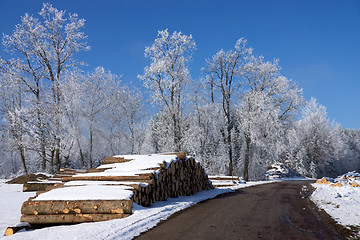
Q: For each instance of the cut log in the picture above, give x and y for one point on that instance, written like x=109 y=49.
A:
x=138 y=178
x=72 y=170
x=70 y=218
x=61 y=175
x=78 y=206
x=12 y=230
x=110 y=160
x=92 y=170
x=37 y=186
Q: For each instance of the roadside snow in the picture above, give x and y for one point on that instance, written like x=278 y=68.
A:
x=11 y=200
x=341 y=203
x=140 y=221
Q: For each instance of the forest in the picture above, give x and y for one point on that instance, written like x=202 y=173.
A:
x=239 y=117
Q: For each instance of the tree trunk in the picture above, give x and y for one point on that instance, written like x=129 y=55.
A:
x=230 y=151
x=247 y=159
x=52 y=161
x=82 y=159
x=177 y=144
x=91 y=147
x=58 y=158
x=42 y=135
x=22 y=156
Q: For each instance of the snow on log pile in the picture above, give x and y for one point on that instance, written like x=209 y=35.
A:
x=350 y=178
x=108 y=192
x=54 y=181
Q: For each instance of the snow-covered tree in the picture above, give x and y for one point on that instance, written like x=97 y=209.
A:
x=166 y=77
x=224 y=76
x=267 y=106
x=317 y=141
x=100 y=85
x=43 y=49
x=14 y=111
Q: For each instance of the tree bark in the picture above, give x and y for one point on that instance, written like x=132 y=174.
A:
x=247 y=159
x=22 y=156
x=91 y=146
x=52 y=161
x=231 y=169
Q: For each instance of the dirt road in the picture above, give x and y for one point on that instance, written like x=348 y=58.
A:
x=270 y=211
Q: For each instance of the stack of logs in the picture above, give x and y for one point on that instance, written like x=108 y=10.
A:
x=181 y=177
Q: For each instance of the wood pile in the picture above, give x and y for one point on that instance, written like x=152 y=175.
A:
x=348 y=179
x=325 y=180
x=56 y=180
x=183 y=177
x=47 y=212
x=177 y=176
x=225 y=181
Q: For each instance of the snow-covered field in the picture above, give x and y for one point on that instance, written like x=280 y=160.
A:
x=140 y=221
x=11 y=199
x=341 y=203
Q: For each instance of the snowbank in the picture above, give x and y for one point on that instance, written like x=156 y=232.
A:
x=11 y=200
x=341 y=203
x=340 y=198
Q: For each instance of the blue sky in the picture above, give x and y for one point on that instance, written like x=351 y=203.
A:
x=317 y=42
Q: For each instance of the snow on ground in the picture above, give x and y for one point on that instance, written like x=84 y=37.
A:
x=140 y=221
x=11 y=199
x=341 y=203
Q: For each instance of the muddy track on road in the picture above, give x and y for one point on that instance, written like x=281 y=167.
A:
x=270 y=211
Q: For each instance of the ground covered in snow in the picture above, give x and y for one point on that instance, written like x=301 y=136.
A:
x=341 y=203
x=140 y=221
x=11 y=199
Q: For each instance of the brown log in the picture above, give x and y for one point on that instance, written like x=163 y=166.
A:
x=92 y=170
x=110 y=160
x=36 y=186
x=69 y=218
x=12 y=230
x=72 y=170
x=61 y=175
x=138 y=178
x=80 y=206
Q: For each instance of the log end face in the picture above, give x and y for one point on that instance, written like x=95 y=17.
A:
x=9 y=231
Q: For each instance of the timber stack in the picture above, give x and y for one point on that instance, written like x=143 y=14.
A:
x=108 y=192
x=225 y=181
